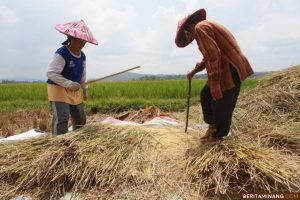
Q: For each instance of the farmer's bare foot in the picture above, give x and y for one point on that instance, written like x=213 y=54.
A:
x=210 y=140
x=211 y=129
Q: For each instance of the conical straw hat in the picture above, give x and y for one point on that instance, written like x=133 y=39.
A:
x=78 y=30
x=193 y=18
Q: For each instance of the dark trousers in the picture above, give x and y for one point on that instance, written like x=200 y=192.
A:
x=219 y=112
x=61 y=112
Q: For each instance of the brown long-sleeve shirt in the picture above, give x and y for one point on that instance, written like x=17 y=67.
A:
x=220 y=49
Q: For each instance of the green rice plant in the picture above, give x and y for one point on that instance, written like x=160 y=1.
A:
x=168 y=95
x=115 y=105
x=23 y=91
x=157 y=89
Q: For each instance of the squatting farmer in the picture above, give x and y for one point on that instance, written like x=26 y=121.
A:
x=66 y=72
x=226 y=68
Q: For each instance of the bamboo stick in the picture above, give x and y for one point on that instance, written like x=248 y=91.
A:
x=98 y=79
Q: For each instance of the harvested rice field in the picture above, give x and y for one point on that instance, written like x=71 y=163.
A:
x=159 y=160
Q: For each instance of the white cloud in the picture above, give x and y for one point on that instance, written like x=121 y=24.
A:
x=8 y=23
x=131 y=33
x=272 y=41
x=8 y=18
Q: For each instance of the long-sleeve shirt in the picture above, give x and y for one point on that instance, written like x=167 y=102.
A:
x=220 y=49
x=56 y=67
x=58 y=91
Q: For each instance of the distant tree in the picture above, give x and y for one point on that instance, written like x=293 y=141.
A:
x=7 y=81
x=171 y=77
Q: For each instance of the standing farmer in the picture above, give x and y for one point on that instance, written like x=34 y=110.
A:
x=66 y=72
x=226 y=68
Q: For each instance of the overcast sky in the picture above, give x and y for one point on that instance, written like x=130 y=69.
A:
x=136 y=32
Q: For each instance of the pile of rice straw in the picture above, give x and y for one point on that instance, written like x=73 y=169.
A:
x=270 y=113
x=236 y=166
x=275 y=100
x=284 y=140
x=140 y=115
x=98 y=157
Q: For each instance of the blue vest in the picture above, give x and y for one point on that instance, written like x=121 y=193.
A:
x=73 y=68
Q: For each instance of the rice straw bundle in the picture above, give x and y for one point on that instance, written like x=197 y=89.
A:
x=283 y=140
x=140 y=115
x=276 y=99
x=287 y=78
x=96 y=157
x=4 y=187
x=234 y=166
x=24 y=120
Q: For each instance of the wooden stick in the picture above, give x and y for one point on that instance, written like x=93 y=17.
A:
x=99 y=79
x=188 y=106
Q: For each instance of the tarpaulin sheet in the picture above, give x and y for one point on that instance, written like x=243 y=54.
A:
x=23 y=136
x=156 y=121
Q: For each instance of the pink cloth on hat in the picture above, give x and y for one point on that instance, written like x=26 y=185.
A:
x=78 y=30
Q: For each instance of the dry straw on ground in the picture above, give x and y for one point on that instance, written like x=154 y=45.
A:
x=236 y=166
x=270 y=113
x=96 y=157
x=24 y=120
x=141 y=115
x=102 y=162
x=275 y=100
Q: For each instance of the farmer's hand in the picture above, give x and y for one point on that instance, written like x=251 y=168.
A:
x=74 y=86
x=216 y=92
x=190 y=75
x=85 y=94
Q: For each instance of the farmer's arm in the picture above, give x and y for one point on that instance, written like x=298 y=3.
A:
x=55 y=68
x=83 y=80
x=212 y=57
x=199 y=67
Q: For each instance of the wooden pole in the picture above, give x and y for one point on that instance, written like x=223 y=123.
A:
x=99 y=79
x=188 y=106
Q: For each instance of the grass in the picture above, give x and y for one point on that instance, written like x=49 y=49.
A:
x=168 y=95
